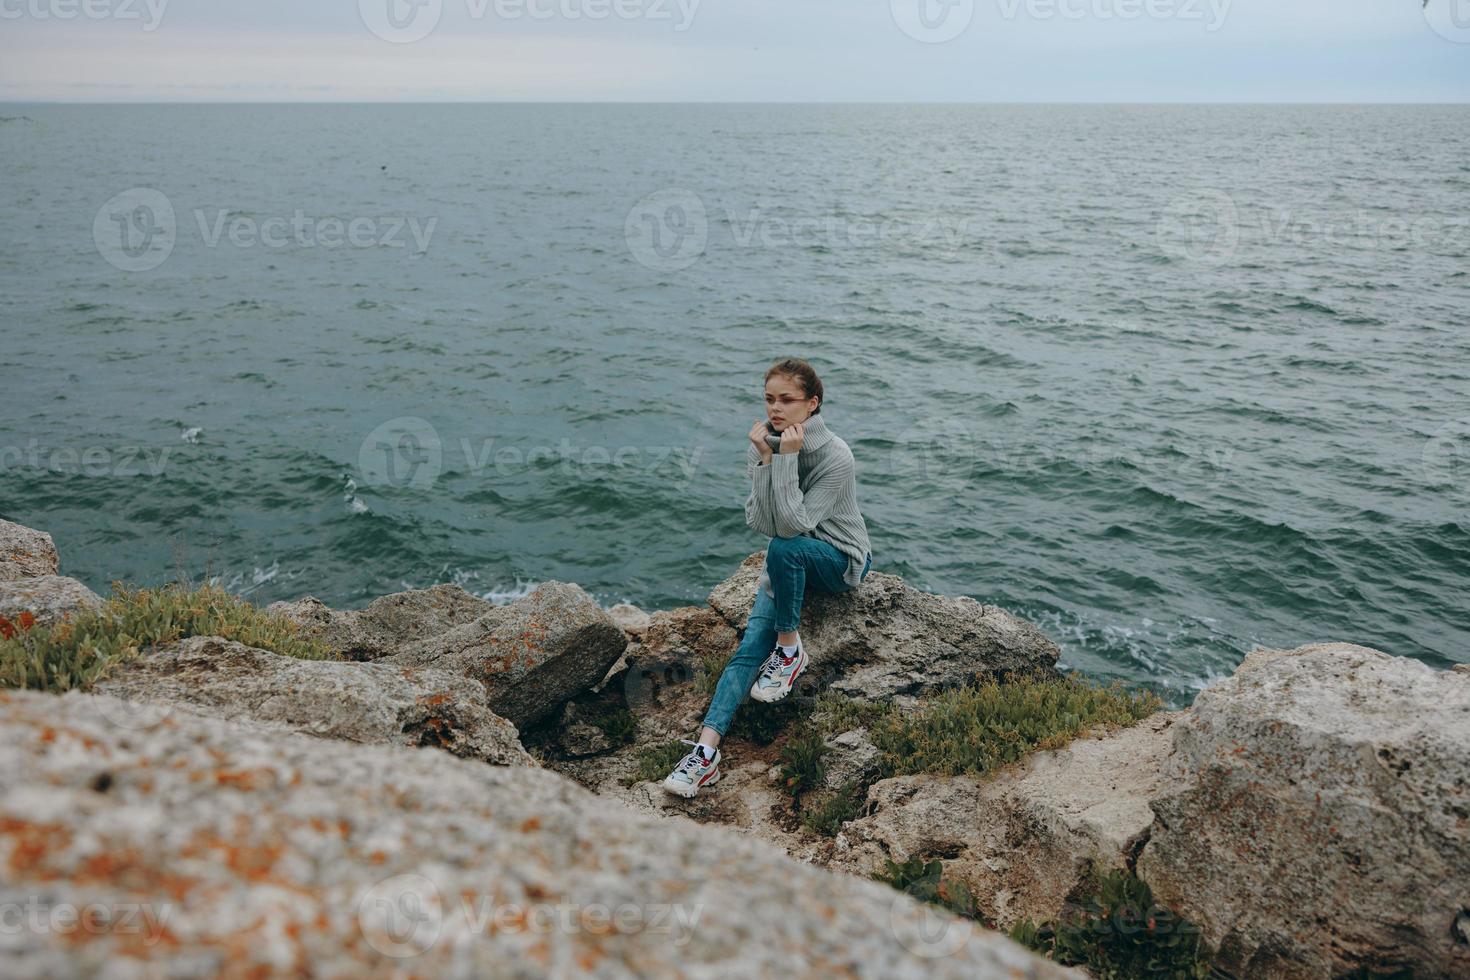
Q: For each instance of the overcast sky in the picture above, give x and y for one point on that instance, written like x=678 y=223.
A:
x=736 y=50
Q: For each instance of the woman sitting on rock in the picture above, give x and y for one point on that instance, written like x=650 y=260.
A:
x=803 y=496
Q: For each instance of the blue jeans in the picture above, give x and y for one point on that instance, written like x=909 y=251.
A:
x=792 y=564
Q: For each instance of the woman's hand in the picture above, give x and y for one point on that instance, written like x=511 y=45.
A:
x=758 y=436
x=791 y=437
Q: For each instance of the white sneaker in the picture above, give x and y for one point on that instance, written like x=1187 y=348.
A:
x=693 y=773
x=778 y=675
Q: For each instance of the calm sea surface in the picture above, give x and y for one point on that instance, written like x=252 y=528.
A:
x=1171 y=381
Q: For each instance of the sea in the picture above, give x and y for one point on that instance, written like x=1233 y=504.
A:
x=1172 y=381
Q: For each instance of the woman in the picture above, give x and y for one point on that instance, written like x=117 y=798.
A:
x=803 y=496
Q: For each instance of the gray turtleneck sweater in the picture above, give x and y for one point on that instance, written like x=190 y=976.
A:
x=812 y=492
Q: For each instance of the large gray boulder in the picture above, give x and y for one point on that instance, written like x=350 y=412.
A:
x=886 y=640
x=241 y=850
x=25 y=552
x=50 y=598
x=532 y=655
x=1316 y=818
x=387 y=623
x=369 y=703
x=1026 y=837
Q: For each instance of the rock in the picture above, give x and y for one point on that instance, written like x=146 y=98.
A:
x=25 y=552
x=850 y=756
x=630 y=619
x=369 y=703
x=869 y=644
x=1317 y=820
x=1024 y=838
x=582 y=739
x=532 y=655
x=50 y=598
x=1461 y=668
x=659 y=684
x=388 y=622
x=248 y=851
x=885 y=640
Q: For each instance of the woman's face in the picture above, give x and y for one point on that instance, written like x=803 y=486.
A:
x=786 y=402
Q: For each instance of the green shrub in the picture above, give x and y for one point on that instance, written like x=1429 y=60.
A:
x=656 y=761
x=925 y=881
x=834 y=809
x=837 y=713
x=1119 y=932
x=763 y=723
x=80 y=650
x=710 y=669
x=974 y=728
x=801 y=762
x=620 y=726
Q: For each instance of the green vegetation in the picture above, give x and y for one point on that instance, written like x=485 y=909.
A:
x=834 y=808
x=655 y=762
x=1118 y=932
x=620 y=726
x=925 y=881
x=974 y=728
x=801 y=762
x=79 y=651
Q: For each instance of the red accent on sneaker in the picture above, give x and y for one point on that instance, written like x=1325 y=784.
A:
x=706 y=777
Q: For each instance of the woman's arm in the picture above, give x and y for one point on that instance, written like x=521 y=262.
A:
x=796 y=512
x=760 y=510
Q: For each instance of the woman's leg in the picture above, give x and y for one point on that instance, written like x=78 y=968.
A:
x=791 y=564
x=739 y=673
